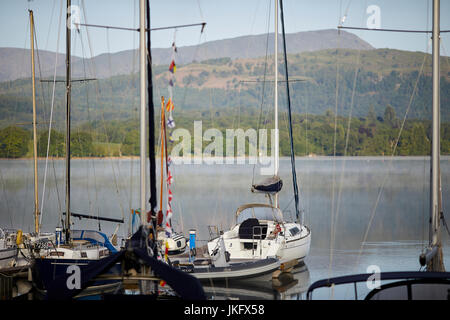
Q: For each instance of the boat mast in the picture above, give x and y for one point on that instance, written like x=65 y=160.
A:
x=432 y=258
x=68 y=92
x=276 y=151
x=162 y=155
x=36 y=197
x=291 y=135
x=436 y=263
x=151 y=119
x=142 y=111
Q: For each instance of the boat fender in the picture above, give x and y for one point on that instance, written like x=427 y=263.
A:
x=277 y=229
x=19 y=237
x=193 y=252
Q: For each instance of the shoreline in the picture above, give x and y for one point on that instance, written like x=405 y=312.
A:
x=224 y=158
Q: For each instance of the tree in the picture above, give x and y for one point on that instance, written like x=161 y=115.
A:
x=14 y=142
x=371 y=115
x=81 y=144
x=57 y=144
x=389 y=115
x=130 y=144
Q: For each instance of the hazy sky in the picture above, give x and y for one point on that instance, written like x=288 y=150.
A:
x=224 y=18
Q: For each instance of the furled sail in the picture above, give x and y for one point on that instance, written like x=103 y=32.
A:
x=270 y=185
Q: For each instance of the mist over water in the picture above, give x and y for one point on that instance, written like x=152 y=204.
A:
x=342 y=192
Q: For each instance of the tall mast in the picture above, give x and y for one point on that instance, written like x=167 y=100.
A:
x=151 y=118
x=68 y=89
x=432 y=258
x=291 y=135
x=142 y=111
x=436 y=263
x=276 y=151
x=36 y=197
x=162 y=155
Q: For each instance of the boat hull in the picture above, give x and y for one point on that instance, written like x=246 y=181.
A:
x=7 y=256
x=286 y=248
x=46 y=270
x=260 y=268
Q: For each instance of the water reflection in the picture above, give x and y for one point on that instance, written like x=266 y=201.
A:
x=210 y=194
x=288 y=286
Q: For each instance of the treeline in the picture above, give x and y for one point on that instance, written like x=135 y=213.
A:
x=383 y=77
x=325 y=134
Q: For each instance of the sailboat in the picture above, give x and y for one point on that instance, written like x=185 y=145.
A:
x=138 y=262
x=174 y=242
x=26 y=245
x=37 y=242
x=434 y=283
x=8 y=250
x=74 y=250
x=260 y=230
x=219 y=267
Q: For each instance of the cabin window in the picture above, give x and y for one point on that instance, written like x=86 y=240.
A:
x=250 y=245
x=83 y=254
x=294 y=231
x=56 y=254
x=103 y=253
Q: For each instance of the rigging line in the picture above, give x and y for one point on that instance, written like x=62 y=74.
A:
x=50 y=124
x=50 y=24
x=189 y=78
x=333 y=185
x=391 y=30
x=424 y=213
x=91 y=205
x=335 y=214
x=294 y=173
x=92 y=64
x=200 y=10
x=15 y=113
x=39 y=69
x=6 y=198
x=203 y=24
x=263 y=89
x=252 y=25
x=103 y=122
x=390 y=164
x=339 y=196
x=133 y=113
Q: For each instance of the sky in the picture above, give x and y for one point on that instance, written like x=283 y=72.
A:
x=224 y=18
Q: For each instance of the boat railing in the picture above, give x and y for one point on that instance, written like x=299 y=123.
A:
x=213 y=232
x=257 y=236
x=407 y=278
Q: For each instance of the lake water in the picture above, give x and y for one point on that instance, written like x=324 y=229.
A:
x=347 y=195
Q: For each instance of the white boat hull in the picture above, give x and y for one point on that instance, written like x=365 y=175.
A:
x=7 y=257
x=285 y=247
x=235 y=271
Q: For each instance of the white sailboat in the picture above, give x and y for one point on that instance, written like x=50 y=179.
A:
x=8 y=250
x=260 y=230
x=37 y=242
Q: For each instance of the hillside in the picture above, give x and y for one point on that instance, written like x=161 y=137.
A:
x=15 y=62
x=385 y=77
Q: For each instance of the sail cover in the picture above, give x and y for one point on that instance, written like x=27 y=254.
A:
x=270 y=185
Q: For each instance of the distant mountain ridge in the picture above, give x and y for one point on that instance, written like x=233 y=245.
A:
x=15 y=62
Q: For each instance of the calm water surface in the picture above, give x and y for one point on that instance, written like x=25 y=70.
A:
x=385 y=198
